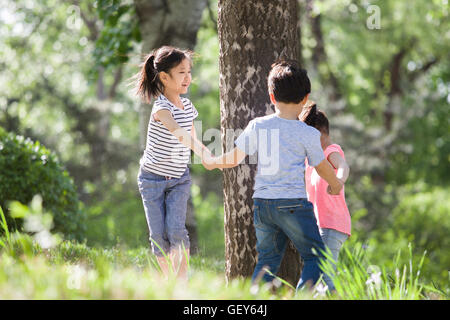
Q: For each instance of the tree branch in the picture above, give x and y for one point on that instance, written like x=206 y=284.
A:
x=91 y=23
x=117 y=79
x=319 y=54
x=415 y=74
x=211 y=15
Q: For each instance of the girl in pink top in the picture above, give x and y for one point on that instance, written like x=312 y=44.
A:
x=333 y=217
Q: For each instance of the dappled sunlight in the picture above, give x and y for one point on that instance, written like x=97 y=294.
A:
x=72 y=131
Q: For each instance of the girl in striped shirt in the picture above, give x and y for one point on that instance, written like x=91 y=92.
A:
x=164 y=180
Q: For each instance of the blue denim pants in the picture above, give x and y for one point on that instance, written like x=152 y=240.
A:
x=165 y=205
x=275 y=221
x=333 y=240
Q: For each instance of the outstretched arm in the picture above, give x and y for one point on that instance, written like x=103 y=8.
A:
x=228 y=160
x=188 y=140
x=204 y=148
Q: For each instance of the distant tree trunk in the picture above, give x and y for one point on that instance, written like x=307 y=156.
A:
x=319 y=56
x=176 y=23
x=252 y=35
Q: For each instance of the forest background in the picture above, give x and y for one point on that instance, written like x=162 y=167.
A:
x=65 y=74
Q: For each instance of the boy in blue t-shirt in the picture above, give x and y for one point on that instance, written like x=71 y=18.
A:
x=282 y=142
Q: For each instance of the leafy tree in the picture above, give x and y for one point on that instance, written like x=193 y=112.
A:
x=380 y=90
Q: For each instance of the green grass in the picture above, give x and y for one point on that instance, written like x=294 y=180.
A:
x=71 y=270
x=74 y=271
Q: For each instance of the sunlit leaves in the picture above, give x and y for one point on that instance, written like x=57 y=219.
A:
x=120 y=29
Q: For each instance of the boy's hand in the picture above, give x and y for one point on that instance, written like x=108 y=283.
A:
x=209 y=162
x=335 y=189
x=208 y=165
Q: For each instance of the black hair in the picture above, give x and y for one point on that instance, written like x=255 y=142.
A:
x=315 y=117
x=288 y=82
x=163 y=59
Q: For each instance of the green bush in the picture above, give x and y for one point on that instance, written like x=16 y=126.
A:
x=421 y=219
x=28 y=168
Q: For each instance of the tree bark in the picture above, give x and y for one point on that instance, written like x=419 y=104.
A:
x=252 y=35
x=176 y=23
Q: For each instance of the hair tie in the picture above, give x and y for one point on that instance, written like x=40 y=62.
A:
x=151 y=61
x=150 y=68
x=154 y=65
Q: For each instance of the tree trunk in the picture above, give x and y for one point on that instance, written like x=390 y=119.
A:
x=252 y=35
x=320 y=56
x=176 y=23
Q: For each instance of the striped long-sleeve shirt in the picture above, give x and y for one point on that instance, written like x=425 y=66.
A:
x=164 y=154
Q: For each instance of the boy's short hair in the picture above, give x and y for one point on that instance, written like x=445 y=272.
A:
x=288 y=82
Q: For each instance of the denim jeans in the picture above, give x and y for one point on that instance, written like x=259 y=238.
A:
x=333 y=240
x=275 y=221
x=165 y=205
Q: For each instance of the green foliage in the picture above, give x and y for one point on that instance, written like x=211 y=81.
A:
x=37 y=224
x=6 y=242
x=210 y=219
x=400 y=69
x=75 y=271
x=117 y=218
x=72 y=270
x=27 y=168
x=426 y=142
x=120 y=30
x=59 y=52
x=422 y=218
x=356 y=277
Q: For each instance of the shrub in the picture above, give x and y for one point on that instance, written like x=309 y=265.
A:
x=27 y=168
x=421 y=219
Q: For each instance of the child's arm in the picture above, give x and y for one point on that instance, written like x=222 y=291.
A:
x=325 y=170
x=204 y=148
x=237 y=155
x=340 y=164
x=188 y=140
x=228 y=160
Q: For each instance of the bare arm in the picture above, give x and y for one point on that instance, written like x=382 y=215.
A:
x=325 y=170
x=188 y=140
x=339 y=163
x=228 y=160
x=194 y=134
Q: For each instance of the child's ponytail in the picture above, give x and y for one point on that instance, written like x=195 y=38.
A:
x=315 y=117
x=149 y=84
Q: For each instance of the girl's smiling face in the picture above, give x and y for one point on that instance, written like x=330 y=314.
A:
x=178 y=79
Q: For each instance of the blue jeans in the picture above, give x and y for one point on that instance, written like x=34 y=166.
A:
x=333 y=240
x=165 y=205
x=275 y=221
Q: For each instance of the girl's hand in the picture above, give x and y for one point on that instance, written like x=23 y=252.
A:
x=335 y=190
x=209 y=166
x=208 y=161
